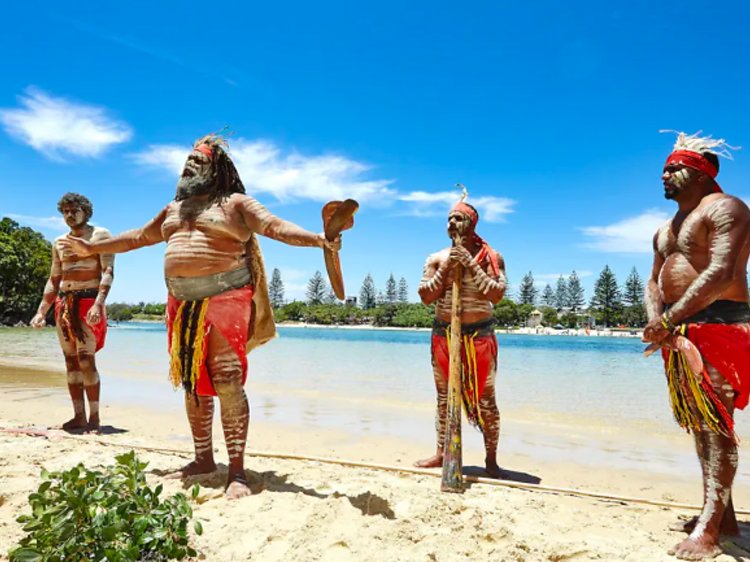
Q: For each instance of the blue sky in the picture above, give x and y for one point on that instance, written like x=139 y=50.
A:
x=549 y=112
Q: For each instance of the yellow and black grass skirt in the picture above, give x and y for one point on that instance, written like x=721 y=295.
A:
x=188 y=346
x=694 y=399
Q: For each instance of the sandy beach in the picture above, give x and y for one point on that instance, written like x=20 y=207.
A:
x=304 y=510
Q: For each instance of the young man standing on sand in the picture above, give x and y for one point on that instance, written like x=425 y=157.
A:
x=218 y=308
x=698 y=290
x=78 y=286
x=482 y=286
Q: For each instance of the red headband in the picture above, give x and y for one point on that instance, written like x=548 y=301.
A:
x=462 y=207
x=205 y=149
x=695 y=161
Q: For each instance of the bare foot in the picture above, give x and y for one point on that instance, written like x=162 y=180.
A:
x=493 y=470
x=728 y=527
x=93 y=427
x=237 y=486
x=702 y=548
x=194 y=468
x=77 y=423
x=432 y=462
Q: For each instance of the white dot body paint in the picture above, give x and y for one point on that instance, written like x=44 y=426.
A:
x=94 y=408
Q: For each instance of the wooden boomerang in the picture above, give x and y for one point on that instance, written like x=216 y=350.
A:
x=684 y=346
x=337 y=217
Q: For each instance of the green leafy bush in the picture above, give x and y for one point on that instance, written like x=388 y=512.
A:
x=113 y=516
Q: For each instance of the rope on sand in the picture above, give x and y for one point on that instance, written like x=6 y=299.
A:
x=388 y=468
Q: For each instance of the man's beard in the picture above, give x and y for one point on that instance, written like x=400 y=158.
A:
x=190 y=186
x=671 y=193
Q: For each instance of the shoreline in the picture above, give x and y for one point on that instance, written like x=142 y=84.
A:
x=572 y=332
x=517 y=332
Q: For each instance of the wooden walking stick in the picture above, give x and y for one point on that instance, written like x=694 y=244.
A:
x=452 y=480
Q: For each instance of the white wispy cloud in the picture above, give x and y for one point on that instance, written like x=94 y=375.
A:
x=424 y=204
x=49 y=223
x=55 y=126
x=632 y=235
x=265 y=169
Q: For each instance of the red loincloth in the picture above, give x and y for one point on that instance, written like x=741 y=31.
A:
x=477 y=363
x=228 y=312
x=64 y=306
x=727 y=348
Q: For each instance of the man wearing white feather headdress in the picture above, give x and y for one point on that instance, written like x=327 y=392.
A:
x=697 y=304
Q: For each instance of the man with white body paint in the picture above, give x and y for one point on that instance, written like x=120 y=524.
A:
x=698 y=290
x=218 y=308
x=483 y=285
x=78 y=286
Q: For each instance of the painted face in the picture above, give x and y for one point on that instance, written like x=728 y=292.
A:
x=197 y=176
x=73 y=215
x=458 y=224
x=678 y=179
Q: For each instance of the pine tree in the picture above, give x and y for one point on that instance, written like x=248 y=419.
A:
x=367 y=294
x=606 y=297
x=632 y=295
x=527 y=291
x=561 y=294
x=276 y=289
x=548 y=296
x=390 y=290
x=633 y=291
x=403 y=291
x=575 y=296
x=316 y=289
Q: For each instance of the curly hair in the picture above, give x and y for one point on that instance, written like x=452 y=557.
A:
x=227 y=178
x=79 y=201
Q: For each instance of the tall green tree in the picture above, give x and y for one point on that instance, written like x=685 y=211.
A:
x=606 y=297
x=561 y=294
x=276 y=289
x=25 y=263
x=403 y=291
x=548 y=296
x=391 y=292
x=633 y=290
x=632 y=295
x=527 y=291
x=316 y=289
x=575 y=296
x=367 y=294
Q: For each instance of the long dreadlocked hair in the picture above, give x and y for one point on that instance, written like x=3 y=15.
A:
x=227 y=178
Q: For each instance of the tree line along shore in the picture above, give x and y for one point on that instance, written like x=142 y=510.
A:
x=25 y=261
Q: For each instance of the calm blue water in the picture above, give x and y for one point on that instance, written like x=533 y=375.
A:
x=562 y=397
x=603 y=378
